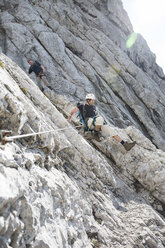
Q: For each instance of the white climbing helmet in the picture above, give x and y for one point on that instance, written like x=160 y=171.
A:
x=90 y=96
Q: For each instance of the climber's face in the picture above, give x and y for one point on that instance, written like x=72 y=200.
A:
x=92 y=101
x=30 y=62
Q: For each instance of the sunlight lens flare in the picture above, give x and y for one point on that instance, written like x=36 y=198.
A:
x=131 y=40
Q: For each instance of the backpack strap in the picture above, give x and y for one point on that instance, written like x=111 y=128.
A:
x=85 y=119
x=79 y=115
x=83 y=112
x=93 y=122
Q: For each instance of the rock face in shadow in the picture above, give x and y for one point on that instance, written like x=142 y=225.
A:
x=59 y=189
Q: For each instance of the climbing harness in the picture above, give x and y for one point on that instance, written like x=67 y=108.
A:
x=93 y=123
x=5 y=138
x=41 y=74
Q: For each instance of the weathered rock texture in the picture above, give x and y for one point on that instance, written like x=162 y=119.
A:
x=58 y=189
x=82 y=45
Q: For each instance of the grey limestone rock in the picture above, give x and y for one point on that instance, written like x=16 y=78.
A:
x=58 y=189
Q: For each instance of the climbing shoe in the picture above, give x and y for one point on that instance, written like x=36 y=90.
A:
x=50 y=87
x=128 y=146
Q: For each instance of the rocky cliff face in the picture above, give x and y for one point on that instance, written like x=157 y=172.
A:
x=59 y=189
x=82 y=45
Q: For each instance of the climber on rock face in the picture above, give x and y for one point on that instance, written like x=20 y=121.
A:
x=39 y=71
x=94 y=122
